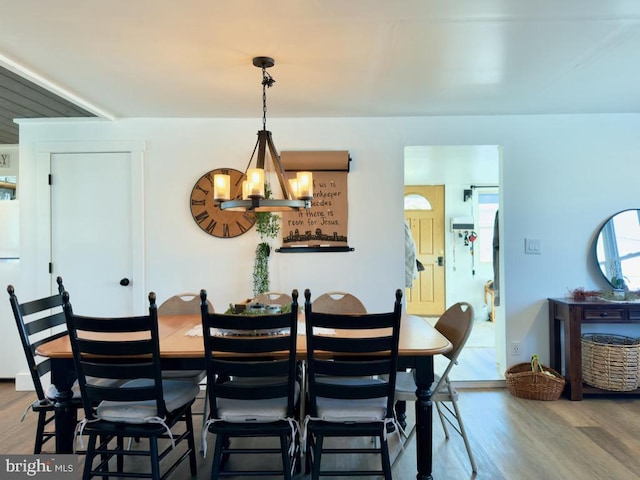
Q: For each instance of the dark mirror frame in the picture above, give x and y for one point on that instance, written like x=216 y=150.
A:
x=616 y=250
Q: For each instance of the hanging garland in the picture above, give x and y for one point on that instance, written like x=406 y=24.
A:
x=268 y=227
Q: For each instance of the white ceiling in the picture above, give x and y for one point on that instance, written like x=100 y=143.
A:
x=192 y=58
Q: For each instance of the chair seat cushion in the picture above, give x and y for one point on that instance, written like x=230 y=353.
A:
x=176 y=395
x=406 y=388
x=353 y=410
x=254 y=411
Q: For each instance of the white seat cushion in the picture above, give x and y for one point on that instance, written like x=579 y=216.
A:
x=406 y=388
x=254 y=411
x=176 y=394
x=356 y=411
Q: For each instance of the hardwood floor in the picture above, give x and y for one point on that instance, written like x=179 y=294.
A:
x=512 y=438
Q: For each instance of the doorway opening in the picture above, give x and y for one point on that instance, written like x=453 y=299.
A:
x=469 y=176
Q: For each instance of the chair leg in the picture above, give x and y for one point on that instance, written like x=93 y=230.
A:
x=90 y=455
x=443 y=420
x=205 y=414
x=191 y=443
x=316 y=453
x=284 y=450
x=42 y=417
x=384 y=453
x=120 y=457
x=216 y=466
x=155 y=459
x=463 y=432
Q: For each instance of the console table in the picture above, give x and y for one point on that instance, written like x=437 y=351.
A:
x=566 y=316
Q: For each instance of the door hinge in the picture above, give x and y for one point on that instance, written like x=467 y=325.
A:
x=49 y=179
x=50 y=267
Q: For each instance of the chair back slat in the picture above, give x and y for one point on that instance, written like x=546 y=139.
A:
x=263 y=343
x=347 y=345
x=338 y=302
x=36 y=343
x=359 y=346
x=456 y=324
x=183 y=304
x=250 y=368
x=50 y=321
x=273 y=298
x=38 y=321
x=35 y=306
x=261 y=348
x=119 y=371
x=347 y=392
x=102 y=352
x=250 y=323
x=114 y=348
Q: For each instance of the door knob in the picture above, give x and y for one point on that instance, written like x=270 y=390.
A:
x=124 y=282
x=441 y=261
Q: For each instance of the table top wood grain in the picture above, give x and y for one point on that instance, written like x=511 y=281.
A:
x=417 y=338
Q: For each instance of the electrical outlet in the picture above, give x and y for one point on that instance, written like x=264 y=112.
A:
x=515 y=348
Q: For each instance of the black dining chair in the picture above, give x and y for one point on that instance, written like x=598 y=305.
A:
x=347 y=354
x=256 y=355
x=40 y=321
x=186 y=304
x=143 y=405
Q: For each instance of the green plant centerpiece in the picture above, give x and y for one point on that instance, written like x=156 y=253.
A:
x=268 y=227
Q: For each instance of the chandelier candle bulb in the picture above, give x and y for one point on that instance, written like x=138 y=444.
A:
x=255 y=181
x=305 y=185
x=293 y=184
x=221 y=187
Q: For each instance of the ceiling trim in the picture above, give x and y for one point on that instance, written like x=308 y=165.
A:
x=33 y=77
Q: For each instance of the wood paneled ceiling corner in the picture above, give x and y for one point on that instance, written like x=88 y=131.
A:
x=20 y=98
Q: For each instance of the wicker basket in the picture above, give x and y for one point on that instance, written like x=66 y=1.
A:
x=610 y=362
x=525 y=381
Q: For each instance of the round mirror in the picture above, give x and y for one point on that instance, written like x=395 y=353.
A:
x=618 y=250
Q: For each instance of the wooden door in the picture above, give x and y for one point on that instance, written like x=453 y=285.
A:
x=427 y=296
x=92 y=245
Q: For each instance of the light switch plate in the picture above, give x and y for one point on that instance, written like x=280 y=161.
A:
x=532 y=246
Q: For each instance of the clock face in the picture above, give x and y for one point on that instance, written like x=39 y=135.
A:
x=209 y=217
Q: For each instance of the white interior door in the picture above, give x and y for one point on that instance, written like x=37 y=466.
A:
x=92 y=240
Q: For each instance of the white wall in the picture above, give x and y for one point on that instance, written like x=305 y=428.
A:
x=11 y=356
x=561 y=176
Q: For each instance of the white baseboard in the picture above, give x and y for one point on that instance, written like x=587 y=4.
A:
x=24 y=383
x=472 y=384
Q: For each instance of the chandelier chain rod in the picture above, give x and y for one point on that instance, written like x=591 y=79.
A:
x=267 y=81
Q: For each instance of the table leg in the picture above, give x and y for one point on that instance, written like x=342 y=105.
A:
x=573 y=353
x=424 y=416
x=62 y=376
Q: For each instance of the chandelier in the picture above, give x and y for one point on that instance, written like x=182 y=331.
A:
x=297 y=193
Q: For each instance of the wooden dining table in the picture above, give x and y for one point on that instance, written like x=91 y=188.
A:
x=181 y=350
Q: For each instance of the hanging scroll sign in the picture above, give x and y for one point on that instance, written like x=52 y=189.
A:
x=325 y=224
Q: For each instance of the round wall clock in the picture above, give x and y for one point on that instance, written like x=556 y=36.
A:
x=209 y=217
